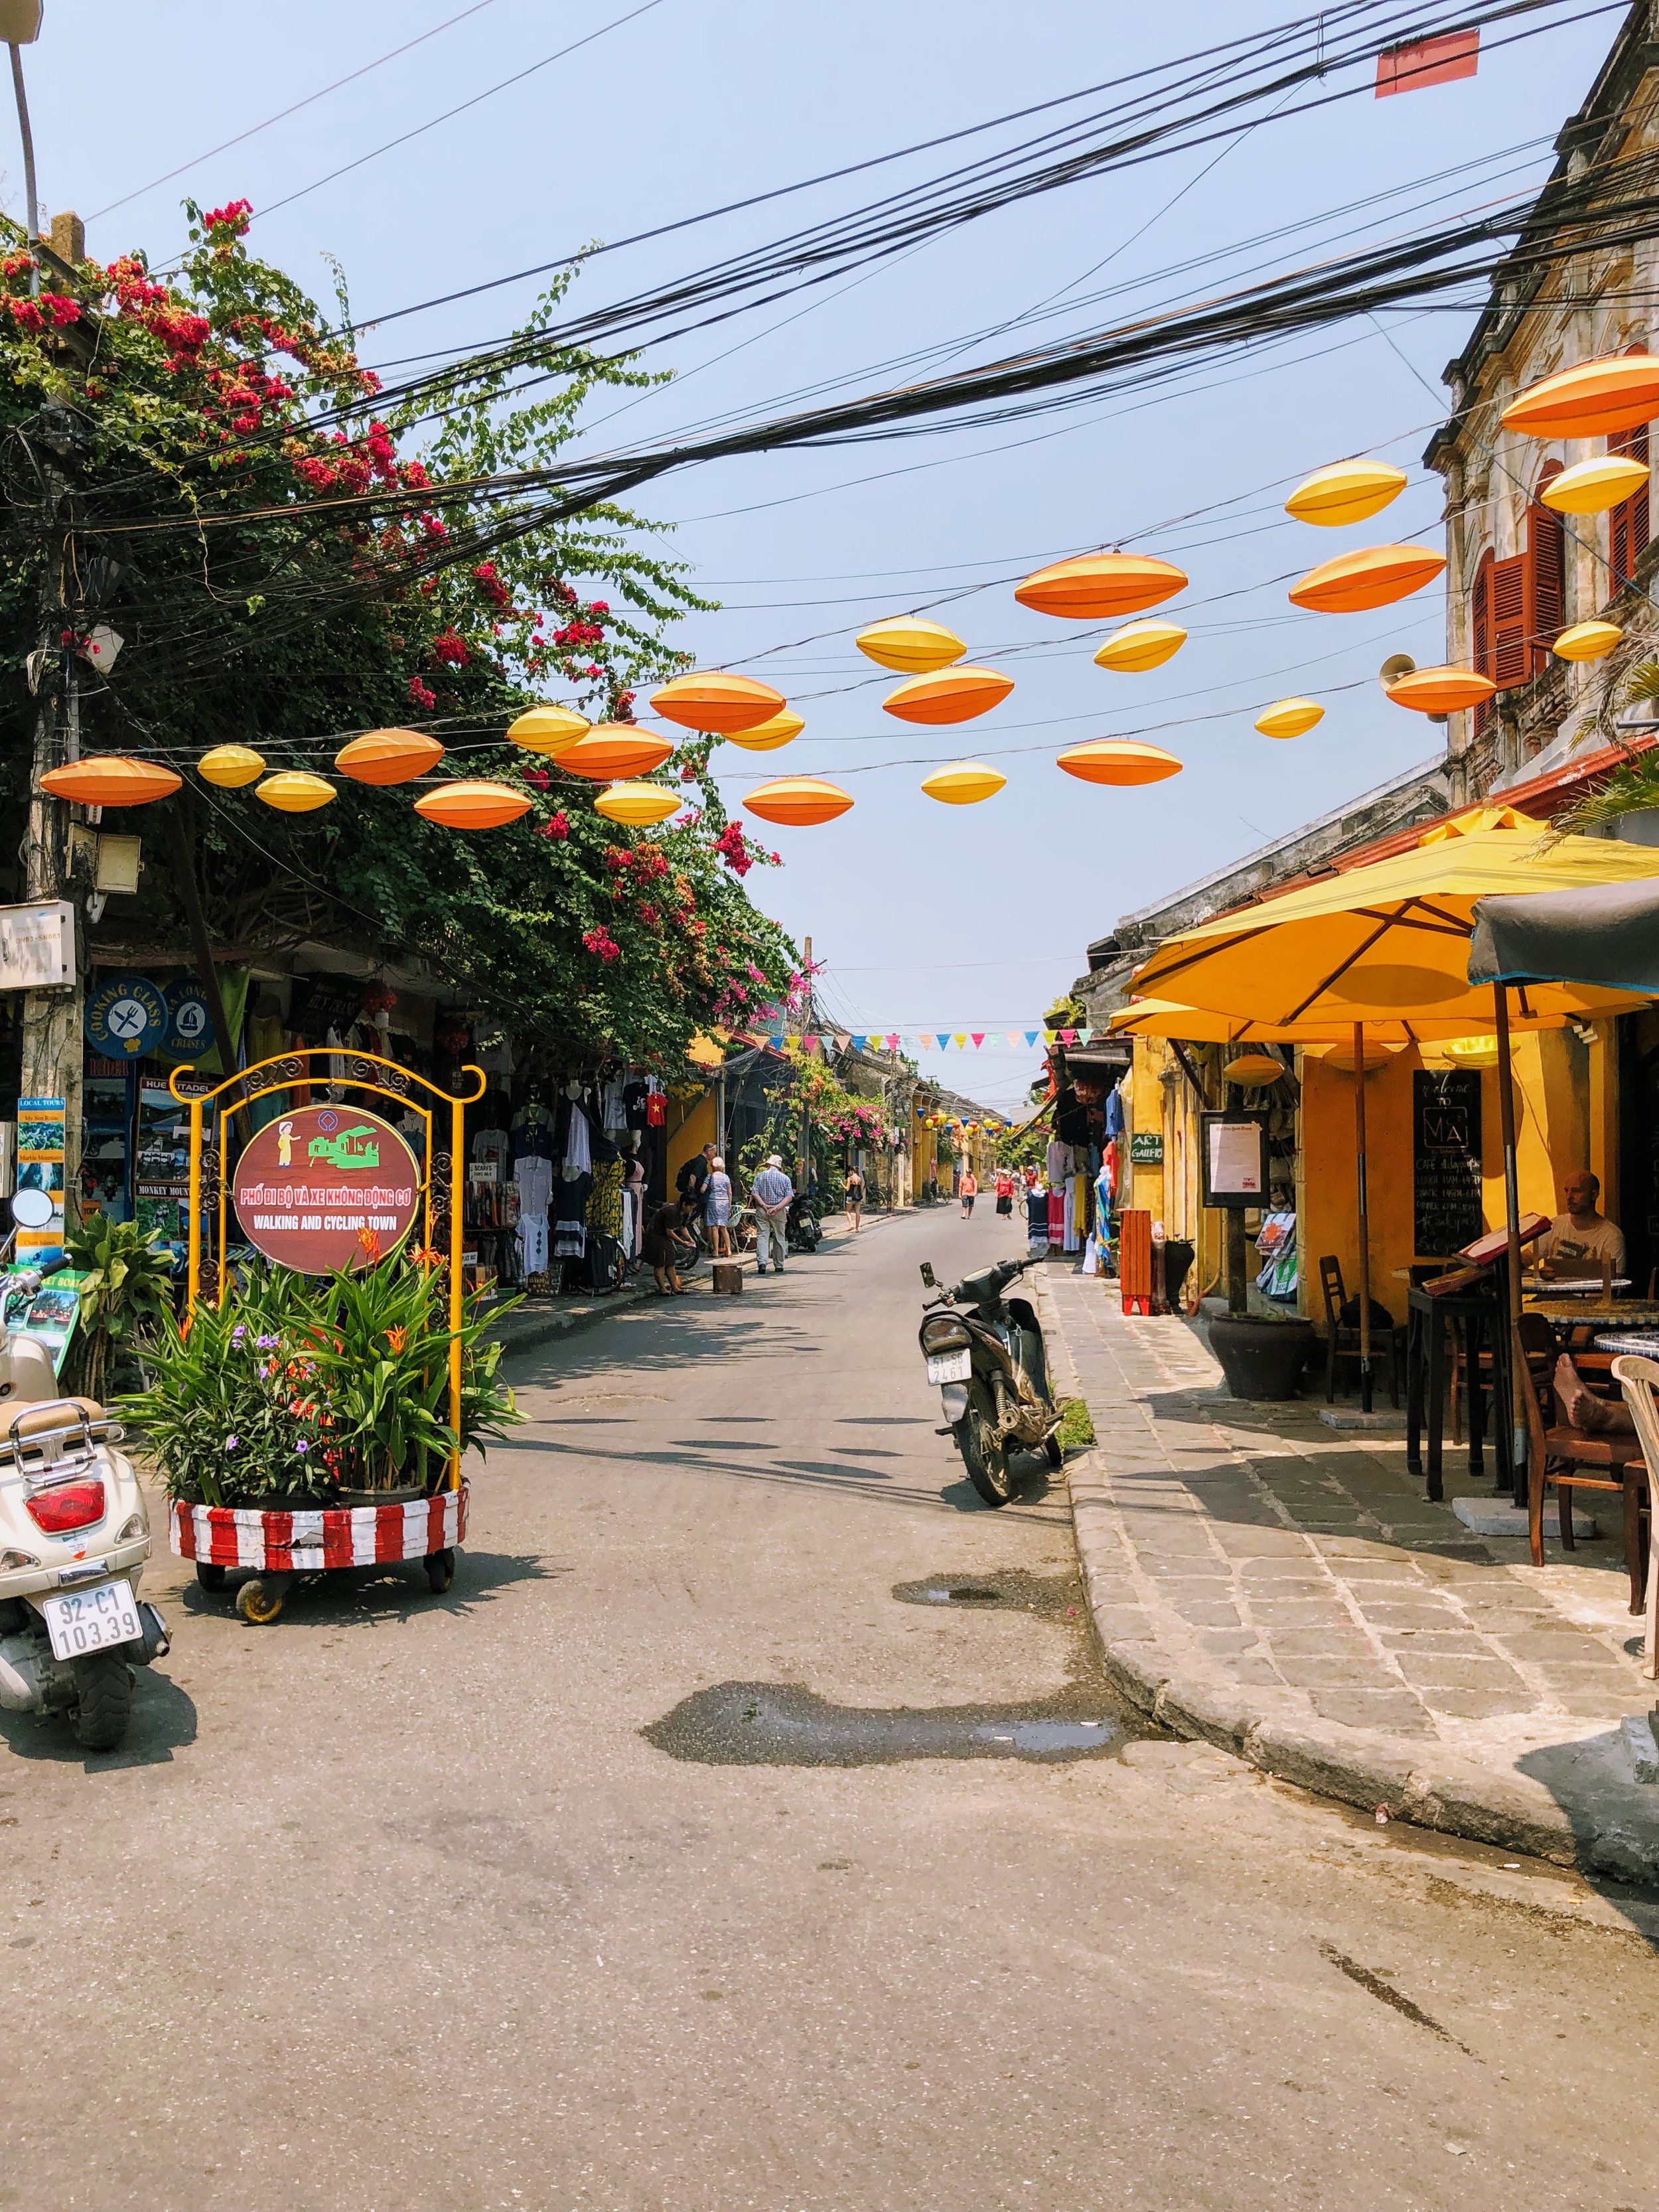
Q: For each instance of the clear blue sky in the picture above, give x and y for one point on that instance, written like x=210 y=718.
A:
x=929 y=916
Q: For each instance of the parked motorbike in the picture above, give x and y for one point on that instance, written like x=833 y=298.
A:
x=986 y=1354
x=803 y=1232
x=74 y=1538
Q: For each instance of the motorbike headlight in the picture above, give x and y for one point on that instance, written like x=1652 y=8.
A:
x=130 y=1529
x=944 y=1333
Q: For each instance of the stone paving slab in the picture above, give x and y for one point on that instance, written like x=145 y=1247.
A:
x=1287 y=1590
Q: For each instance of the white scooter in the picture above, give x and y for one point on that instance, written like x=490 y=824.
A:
x=74 y=1538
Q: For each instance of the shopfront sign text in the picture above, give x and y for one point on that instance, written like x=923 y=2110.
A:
x=326 y=1188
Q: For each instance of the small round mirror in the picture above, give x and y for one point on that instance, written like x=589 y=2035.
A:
x=31 y=1209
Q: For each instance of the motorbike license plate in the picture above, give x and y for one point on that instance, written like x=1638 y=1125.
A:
x=950 y=1366
x=82 y=1621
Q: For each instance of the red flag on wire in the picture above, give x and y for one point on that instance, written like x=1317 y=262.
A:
x=1427 y=61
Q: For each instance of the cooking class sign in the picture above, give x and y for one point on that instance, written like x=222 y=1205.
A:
x=326 y=1188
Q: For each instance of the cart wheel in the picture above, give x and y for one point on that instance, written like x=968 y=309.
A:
x=259 y=1603
x=209 y=1576
x=440 y=1572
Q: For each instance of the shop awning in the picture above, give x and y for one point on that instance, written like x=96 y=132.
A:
x=1605 y=935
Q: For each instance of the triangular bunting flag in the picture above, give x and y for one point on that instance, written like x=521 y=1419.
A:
x=959 y=1038
x=776 y=1044
x=944 y=1037
x=841 y=1043
x=810 y=1042
x=1013 y=1037
x=1031 y=1037
x=978 y=1040
x=859 y=1043
x=893 y=1042
x=1068 y=1037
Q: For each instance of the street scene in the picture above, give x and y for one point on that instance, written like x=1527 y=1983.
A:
x=743 y=1463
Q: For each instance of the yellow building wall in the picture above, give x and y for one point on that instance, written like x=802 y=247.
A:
x=694 y=1129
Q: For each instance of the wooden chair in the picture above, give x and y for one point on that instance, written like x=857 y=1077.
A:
x=1342 y=1342
x=1567 y=1458
x=1636 y=1377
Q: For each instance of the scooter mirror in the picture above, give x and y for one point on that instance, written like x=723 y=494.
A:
x=31 y=1208
x=928 y=1276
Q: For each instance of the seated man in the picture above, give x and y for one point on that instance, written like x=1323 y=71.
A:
x=1577 y=1241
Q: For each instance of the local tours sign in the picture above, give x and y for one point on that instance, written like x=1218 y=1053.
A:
x=326 y=1188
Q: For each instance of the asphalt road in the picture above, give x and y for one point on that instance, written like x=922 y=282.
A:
x=583 y=1887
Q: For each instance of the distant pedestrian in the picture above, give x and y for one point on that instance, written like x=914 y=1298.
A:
x=692 y=1182
x=855 y=1199
x=666 y=1236
x=967 y=1191
x=1005 y=1191
x=773 y=1193
x=717 y=1209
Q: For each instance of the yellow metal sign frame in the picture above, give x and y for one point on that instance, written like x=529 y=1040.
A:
x=443 y=1175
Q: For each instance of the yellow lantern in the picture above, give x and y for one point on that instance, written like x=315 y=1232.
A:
x=1590 y=400
x=1587 y=641
x=1289 y=718
x=1374 y=577
x=911 y=646
x=952 y=695
x=1099 y=586
x=798 y=801
x=616 y=749
x=1253 y=1069
x=1346 y=491
x=1592 y=487
x=1143 y=645
x=466 y=804
x=549 y=730
x=384 y=757
x=1119 y=760
x=1472 y=1051
x=110 y=780
x=1339 y=1057
x=1441 y=690
x=712 y=699
x=637 y=803
x=767 y=737
x=294 y=791
x=230 y=766
x=964 y=783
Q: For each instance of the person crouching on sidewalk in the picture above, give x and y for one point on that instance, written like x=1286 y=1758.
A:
x=665 y=1237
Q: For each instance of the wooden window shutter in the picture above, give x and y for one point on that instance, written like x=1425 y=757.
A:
x=1512 y=621
x=1480 y=631
x=1547 y=550
x=1627 y=523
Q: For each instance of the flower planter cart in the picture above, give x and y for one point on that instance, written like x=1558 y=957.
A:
x=280 y=1546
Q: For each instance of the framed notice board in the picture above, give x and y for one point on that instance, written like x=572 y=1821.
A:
x=1235 y=1159
x=1446 y=1160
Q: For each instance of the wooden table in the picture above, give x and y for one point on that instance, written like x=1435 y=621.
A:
x=1480 y=1310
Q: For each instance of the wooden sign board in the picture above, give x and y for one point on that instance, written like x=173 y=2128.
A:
x=1445 y=1161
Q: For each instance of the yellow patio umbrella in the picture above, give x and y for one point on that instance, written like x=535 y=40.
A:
x=1389 y=943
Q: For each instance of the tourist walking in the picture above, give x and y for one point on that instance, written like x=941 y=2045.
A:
x=717 y=1209
x=772 y=1192
x=1005 y=1191
x=967 y=1191
x=855 y=1199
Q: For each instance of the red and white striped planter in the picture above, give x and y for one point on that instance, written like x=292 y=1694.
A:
x=337 y=1536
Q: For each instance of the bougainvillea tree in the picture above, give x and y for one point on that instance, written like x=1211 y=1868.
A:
x=292 y=555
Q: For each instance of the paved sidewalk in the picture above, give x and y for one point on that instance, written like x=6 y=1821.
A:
x=1285 y=1590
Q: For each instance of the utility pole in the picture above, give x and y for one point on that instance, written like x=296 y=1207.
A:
x=805 y=1110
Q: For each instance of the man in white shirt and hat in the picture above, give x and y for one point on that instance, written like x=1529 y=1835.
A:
x=772 y=1192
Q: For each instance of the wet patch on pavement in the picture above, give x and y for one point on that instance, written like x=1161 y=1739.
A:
x=1056 y=1597
x=777 y=1724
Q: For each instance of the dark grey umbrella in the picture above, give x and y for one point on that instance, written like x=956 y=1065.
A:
x=1605 y=935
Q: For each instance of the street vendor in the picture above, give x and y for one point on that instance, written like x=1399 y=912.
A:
x=1579 y=1242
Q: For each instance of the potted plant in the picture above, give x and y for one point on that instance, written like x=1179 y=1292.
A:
x=128 y=1289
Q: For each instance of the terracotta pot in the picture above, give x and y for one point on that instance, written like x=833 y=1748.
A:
x=1261 y=1358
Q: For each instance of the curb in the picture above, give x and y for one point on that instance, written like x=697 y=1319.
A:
x=1608 y=1824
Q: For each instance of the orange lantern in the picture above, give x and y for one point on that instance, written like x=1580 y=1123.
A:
x=1590 y=400
x=470 y=805
x=1119 y=760
x=949 y=695
x=110 y=780
x=1099 y=586
x=1440 y=691
x=1374 y=577
x=386 y=757
x=798 y=801
x=613 y=750
x=715 y=699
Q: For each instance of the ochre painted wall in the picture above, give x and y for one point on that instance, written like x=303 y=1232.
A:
x=695 y=1128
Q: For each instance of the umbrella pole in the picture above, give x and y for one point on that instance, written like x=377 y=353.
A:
x=1364 y=1220
x=1519 y=1379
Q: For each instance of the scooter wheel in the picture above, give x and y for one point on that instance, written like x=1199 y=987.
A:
x=103 y=1700
x=440 y=1572
x=209 y=1576
x=258 y=1606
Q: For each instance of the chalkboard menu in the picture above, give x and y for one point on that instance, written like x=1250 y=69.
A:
x=1446 y=1160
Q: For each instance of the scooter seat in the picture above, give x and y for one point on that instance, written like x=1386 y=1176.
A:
x=55 y=1424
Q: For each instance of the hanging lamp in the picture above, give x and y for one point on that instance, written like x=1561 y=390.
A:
x=964 y=783
x=1590 y=400
x=1119 y=760
x=110 y=780
x=1587 y=641
x=1289 y=718
x=637 y=803
x=1441 y=690
x=714 y=700
x=1346 y=491
x=1592 y=487
x=798 y=801
x=910 y=645
x=230 y=766
x=548 y=730
x=767 y=737
x=470 y=804
x=611 y=750
x=1098 y=586
x=388 y=757
x=294 y=791
x=1374 y=577
x=951 y=695
x=1143 y=645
